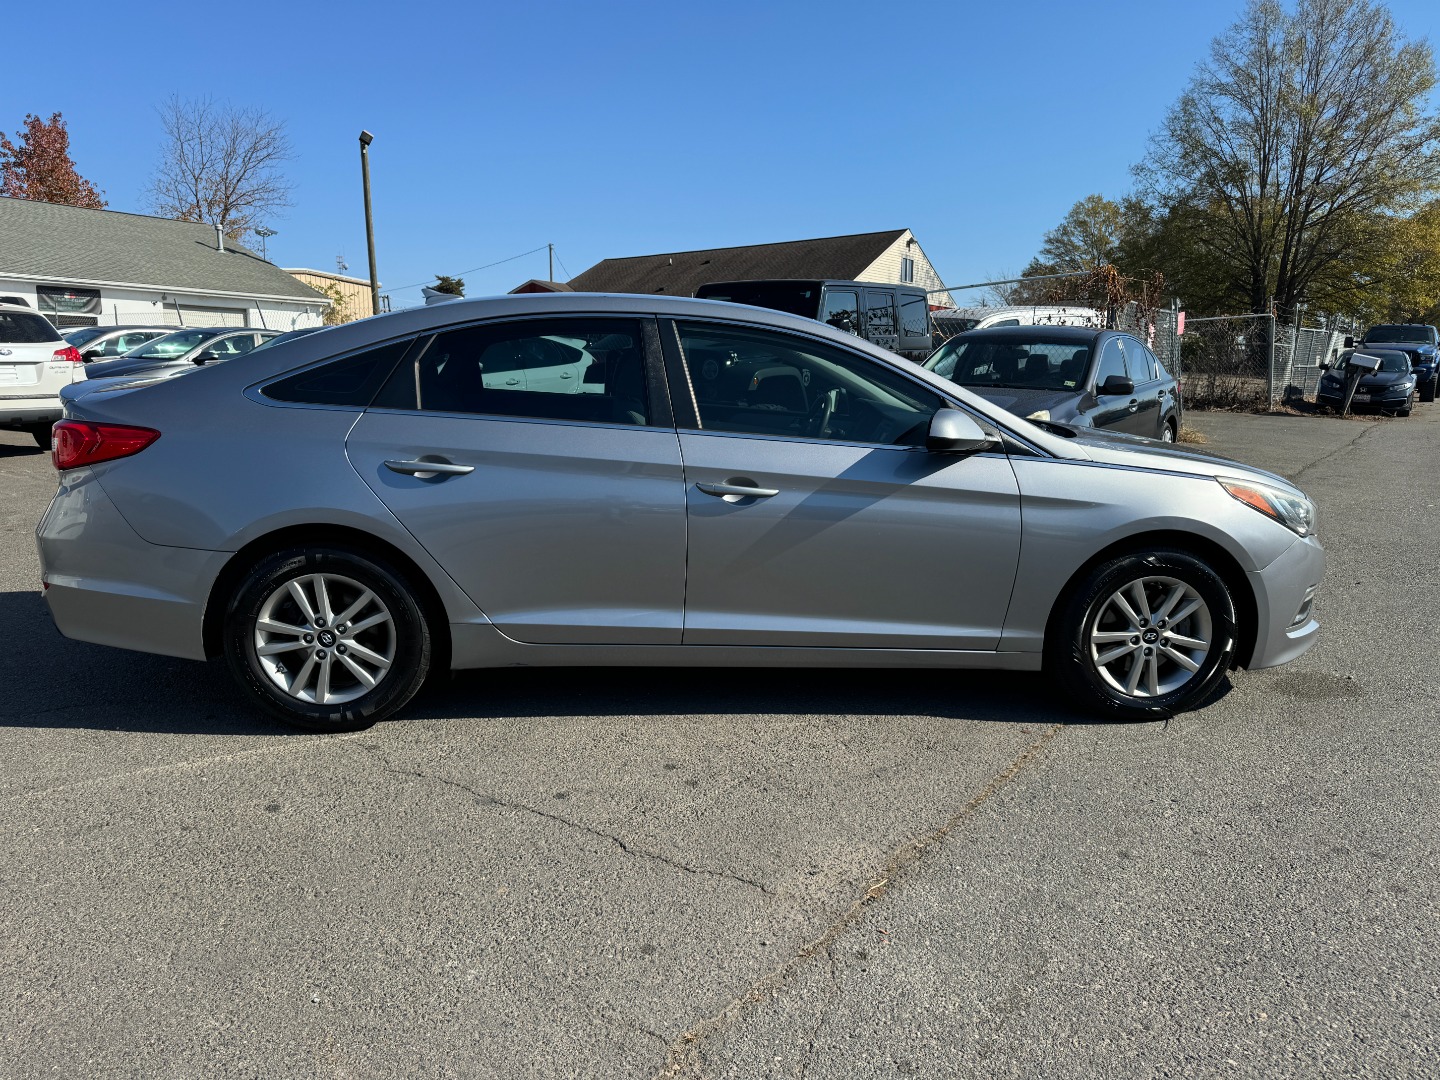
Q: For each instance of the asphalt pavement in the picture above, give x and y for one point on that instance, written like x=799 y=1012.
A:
x=641 y=873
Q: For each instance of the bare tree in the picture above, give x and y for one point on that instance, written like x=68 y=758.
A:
x=220 y=164
x=1301 y=127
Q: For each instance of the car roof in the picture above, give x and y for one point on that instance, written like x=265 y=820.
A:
x=1078 y=334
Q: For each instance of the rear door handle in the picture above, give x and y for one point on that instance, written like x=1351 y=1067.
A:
x=424 y=470
x=744 y=491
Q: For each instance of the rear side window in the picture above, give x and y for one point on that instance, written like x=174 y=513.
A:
x=22 y=328
x=577 y=370
x=351 y=380
x=914 y=315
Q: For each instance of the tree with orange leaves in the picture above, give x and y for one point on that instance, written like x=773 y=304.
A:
x=40 y=167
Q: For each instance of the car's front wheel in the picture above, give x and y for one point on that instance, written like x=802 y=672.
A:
x=1144 y=635
x=326 y=638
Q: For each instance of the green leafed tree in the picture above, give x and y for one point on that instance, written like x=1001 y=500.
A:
x=38 y=166
x=446 y=284
x=1303 y=130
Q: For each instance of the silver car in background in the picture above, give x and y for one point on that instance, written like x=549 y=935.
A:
x=596 y=480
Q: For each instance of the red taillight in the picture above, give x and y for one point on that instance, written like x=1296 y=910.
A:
x=70 y=353
x=79 y=442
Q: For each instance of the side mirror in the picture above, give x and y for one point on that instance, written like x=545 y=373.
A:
x=1349 y=343
x=1116 y=385
x=205 y=358
x=1324 y=365
x=953 y=432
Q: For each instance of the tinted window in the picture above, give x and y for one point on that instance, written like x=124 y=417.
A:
x=879 y=313
x=582 y=370
x=173 y=345
x=1112 y=362
x=84 y=334
x=22 y=328
x=758 y=382
x=1137 y=361
x=351 y=380
x=914 y=315
x=842 y=310
x=1407 y=334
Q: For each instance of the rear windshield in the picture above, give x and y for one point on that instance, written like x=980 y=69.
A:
x=1041 y=362
x=23 y=328
x=796 y=297
x=1407 y=334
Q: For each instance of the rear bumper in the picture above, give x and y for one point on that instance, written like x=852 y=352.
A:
x=104 y=584
x=20 y=412
x=1285 y=594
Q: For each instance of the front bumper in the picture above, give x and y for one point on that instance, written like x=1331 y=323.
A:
x=1285 y=594
x=103 y=583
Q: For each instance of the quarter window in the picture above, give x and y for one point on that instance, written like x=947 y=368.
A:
x=580 y=370
x=351 y=380
x=758 y=382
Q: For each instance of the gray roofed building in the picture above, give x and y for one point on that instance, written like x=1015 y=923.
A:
x=145 y=266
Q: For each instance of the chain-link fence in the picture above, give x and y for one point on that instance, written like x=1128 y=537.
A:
x=1255 y=361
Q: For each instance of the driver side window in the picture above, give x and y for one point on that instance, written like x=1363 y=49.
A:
x=1112 y=362
x=757 y=382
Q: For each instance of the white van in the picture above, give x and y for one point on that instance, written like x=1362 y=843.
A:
x=952 y=321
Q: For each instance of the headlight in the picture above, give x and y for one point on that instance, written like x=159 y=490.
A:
x=1295 y=512
x=1039 y=414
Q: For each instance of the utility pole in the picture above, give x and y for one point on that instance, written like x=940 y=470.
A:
x=552 y=262
x=365 y=140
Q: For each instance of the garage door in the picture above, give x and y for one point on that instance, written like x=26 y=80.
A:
x=212 y=316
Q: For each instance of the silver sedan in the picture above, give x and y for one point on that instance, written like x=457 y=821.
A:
x=594 y=480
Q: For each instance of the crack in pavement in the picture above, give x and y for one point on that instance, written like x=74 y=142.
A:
x=805 y=1059
x=684 y=1057
x=1366 y=430
x=628 y=849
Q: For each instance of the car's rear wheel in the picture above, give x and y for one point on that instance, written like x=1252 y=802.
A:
x=41 y=434
x=327 y=639
x=1144 y=635
x=1428 y=394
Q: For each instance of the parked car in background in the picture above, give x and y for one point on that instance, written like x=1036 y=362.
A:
x=1390 y=388
x=108 y=342
x=726 y=487
x=895 y=317
x=1066 y=375
x=181 y=350
x=288 y=335
x=1419 y=342
x=35 y=362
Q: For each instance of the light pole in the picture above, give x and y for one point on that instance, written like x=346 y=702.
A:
x=264 y=232
x=365 y=140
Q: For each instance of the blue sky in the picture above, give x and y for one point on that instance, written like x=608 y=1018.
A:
x=617 y=129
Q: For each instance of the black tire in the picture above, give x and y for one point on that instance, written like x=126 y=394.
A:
x=1089 y=608
x=401 y=636
x=1428 y=394
x=1172 y=429
x=41 y=434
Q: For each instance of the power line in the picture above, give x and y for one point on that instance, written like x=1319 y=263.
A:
x=472 y=270
x=561 y=261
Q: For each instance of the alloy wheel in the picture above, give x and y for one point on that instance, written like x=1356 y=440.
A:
x=324 y=639
x=1150 y=637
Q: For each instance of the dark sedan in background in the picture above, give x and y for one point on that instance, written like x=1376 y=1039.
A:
x=1067 y=375
x=1391 y=388
x=182 y=350
x=1420 y=343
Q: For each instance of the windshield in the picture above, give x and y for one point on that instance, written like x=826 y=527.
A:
x=1389 y=361
x=85 y=333
x=170 y=346
x=796 y=297
x=1033 y=363
x=1408 y=334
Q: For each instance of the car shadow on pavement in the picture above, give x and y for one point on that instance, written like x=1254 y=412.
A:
x=52 y=682
x=25 y=449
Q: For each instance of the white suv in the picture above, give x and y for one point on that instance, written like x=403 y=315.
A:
x=35 y=362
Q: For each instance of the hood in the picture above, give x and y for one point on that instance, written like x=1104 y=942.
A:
x=1134 y=452
x=1023 y=401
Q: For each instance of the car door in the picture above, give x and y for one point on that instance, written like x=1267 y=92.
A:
x=1114 y=412
x=561 y=513
x=816 y=518
x=1145 y=418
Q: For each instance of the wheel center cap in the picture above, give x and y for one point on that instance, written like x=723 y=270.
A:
x=1151 y=636
x=327 y=638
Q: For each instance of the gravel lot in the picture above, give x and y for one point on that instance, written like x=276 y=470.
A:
x=776 y=874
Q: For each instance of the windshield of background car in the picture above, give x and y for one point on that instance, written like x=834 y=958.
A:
x=1389 y=361
x=85 y=333
x=1418 y=335
x=170 y=346
x=797 y=298
x=1034 y=363
x=22 y=328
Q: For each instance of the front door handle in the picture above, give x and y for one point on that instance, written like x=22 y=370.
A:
x=424 y=470
x=738 y=491
x=1134 y=404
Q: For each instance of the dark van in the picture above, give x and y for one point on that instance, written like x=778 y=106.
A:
x=895 y=317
